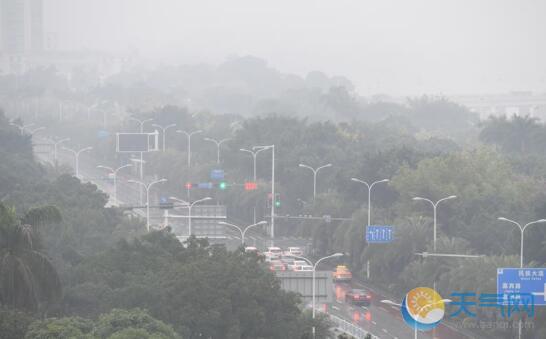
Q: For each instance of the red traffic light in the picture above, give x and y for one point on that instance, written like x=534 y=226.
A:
x=188 y=185
x=250 y=186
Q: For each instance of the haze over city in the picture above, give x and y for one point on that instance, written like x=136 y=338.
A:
x=272 y=169
x=391 y=47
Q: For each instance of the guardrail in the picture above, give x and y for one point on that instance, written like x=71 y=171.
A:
x=350 y=328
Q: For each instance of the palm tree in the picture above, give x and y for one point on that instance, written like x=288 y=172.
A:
x=27 y=277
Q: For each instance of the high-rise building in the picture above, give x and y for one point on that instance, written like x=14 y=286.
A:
x=21 y=25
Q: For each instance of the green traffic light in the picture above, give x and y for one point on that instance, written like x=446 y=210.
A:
x=222 y=185
x=277 y=203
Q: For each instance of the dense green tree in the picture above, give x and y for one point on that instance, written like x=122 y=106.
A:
x=27 y=276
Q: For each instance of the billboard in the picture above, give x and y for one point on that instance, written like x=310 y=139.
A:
x=136 y=142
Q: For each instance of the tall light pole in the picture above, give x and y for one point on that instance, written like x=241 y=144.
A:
x=272 y=147
x=522 y=229
x=315 y=171
x=115 y=177
x=164 y=129
x=141 y=169
x=147 y=187
x=77 y=157
x=56 y=145
x=441 y=301
x=218 y=143
x=241 y=230
x=335 y=255
x=254 y=154
x=434 y=206
x=190 y=206
x=369 y=186
x=189 y=135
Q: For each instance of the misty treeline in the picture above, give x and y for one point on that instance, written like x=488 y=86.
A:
x=428 y=147
x=71 y=268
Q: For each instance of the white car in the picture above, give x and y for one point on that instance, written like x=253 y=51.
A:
x=303 y=268
x=294 y=251
x=275 y=252
x=297 y=263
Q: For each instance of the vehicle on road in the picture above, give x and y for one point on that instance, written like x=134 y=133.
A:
x=251 y=249
x=275 y=252
x=358 y=297
x=277 y=265
x=342 y=274
x=294 y=251
x=303 y=268
x=297 y=263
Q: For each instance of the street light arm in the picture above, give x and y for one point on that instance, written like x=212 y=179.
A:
x=122 y=167
x=308 y=167
x=424 y=199
x=446 y=198
x=361 y=181
x=534 y=222
x=512 y=221
x=200 y=200
x=335 y=255
x=324 y=166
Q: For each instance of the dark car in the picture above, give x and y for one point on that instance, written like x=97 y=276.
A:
x=358 y=297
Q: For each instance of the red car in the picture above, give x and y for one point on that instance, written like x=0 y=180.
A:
x=358 y=297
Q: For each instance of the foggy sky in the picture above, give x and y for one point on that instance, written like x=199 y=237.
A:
x=403 y=47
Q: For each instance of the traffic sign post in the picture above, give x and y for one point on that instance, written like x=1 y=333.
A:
x=379 y=234
x=520 y=282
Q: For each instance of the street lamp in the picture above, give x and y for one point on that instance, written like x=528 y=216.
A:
x=115 y=178
x=434 y=206
x=315 y=171
x=335 y=255
x=272 y=147
x=522 y=229
x=392 y=303
x=369 y=186
x=254 y=154
x=141 y=122
x=189 y=206
x=164 y=129
x=147 y=187
x=243 y=232
x=369 y=193
x=55 y=146
x=189 y=135
x=218 y=143
x=77 y=157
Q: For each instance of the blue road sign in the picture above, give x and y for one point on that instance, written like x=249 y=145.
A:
x=205 y=185
x=217 y=174
x=379 y=234
x=163 y=200
x=527 y=281
x=101 y=134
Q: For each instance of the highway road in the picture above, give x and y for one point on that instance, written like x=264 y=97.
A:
x=379 y=319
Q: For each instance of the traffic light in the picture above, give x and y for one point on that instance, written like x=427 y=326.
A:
x=250 y=186
x=188 y=185
x=277 y=200
x=222 y=185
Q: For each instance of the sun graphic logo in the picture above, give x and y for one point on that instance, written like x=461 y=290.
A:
x=423 y=308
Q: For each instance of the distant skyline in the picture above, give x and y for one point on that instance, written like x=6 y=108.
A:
x=393 y=47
